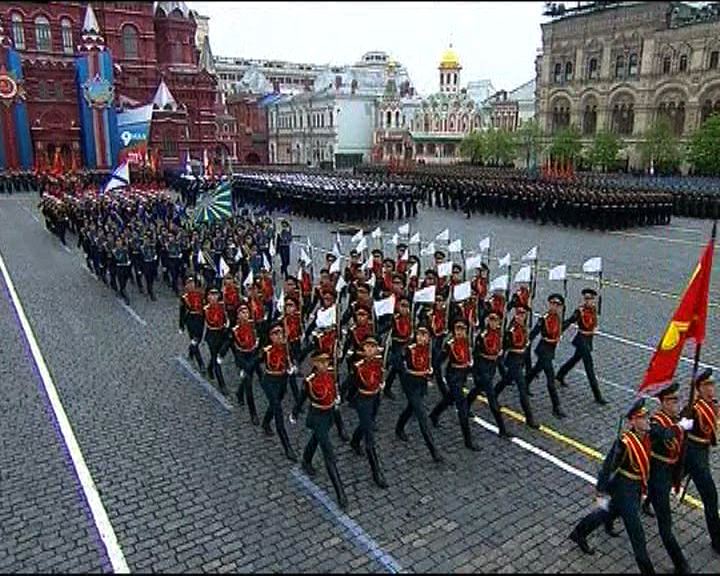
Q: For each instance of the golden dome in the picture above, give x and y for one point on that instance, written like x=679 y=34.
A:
x=449 y=59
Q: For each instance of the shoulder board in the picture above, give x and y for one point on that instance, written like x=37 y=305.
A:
x=267 y=348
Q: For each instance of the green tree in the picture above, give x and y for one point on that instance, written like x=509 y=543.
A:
x=661 y=148
x=704 y=146
x=499 y=147
x=473 y=147
x=604 y=151
x=528 y=140
x=566 y=145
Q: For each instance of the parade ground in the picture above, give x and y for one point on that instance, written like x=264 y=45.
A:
x=118 y=455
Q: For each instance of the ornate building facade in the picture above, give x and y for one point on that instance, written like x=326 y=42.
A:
x=619 y=66
x=149 y=45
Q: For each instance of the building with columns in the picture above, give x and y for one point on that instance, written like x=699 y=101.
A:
x=619 y=66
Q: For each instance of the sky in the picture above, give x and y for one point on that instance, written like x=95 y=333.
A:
x=494 y=40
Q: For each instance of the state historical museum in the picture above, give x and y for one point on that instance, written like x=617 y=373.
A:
x=68 y=68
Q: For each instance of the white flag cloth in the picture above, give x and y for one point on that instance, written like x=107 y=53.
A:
x=444 y=236
x=238 y=255
x=377 y=233
x=338 y=241
x=384 y=306
x=558 y=273
x=326 y=318
x=266 y=263
x=484 y=244
x=473 y=262
x=504 y=261
x=425 y=295
x=224 y=268
x=462 y=291
x=371 y=281
x=271 y=249
x=281 y=301
x=248 y=279
x=415 y=238
x=336 y=251
x=119 y=178
x=444 y=269
x=367 y=265
x=429 y=250
x=404 y=229
x=455 y=246
x=340 y=284
x=304 y=257
x=335 y=266
x=395 y=239
x=531 y=255
x=362 y=245
x=593 y=265
x=500 y=283
x=358 y=236
x=523 y=275
x=201 y=258
x=413 y=270
x=405 y=256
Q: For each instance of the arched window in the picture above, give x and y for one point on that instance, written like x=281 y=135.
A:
x=590 y=120
x=714 y=57
x=67 y=38
x=330 y=122
x=593 y=69
x=682 y=66
x=455 y=78
x=633 y=66
x=18 y=32
x=130 y=41
x=620 y=67
x=666 y=63
x=568 y=71
x=623 y=119
x=397 y=119
x=558 y=73
x=388 y=119
x=442 y=79
x=43 y=38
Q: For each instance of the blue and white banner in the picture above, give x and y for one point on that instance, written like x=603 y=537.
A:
x=134 y=133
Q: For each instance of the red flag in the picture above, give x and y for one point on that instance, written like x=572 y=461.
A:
x=688 y=322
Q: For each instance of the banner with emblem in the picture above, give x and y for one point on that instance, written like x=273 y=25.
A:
x=133 y=133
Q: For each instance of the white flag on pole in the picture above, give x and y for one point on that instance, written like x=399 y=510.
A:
x=385 y=306
x=358 y=236
x=444 y=269
x=326 y=318
x=201 y=258
x=266 y=263
x=340 y=284
x=414 y=269
x=404 y=229
x=377 y=233
x=473 y=262
x=362 y=245
x=272 y=249
x=415 y=239
x=248 y=279
x=425 y=295
x=504 y=261
x=500 y=283
x=119 y=178
x=405 y=256
x=395 y=239
x=444 y=236
x=429 y=250
x=558 y=273
x=281 y=301
x=484 y=244
x=336 y=251
x=523 y=275
x=224 y=268
x=371 y=281
x=462 y=291
x=593 y=265
x=531 y=256
x=455 y=246
x=304 y=257
x=338 y=241
x=367 y=265
x=335 y=266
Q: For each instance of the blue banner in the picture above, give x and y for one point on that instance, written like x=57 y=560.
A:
x=133 y=133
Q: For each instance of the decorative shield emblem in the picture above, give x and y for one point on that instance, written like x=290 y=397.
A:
x=98 y=92
x=10 y=88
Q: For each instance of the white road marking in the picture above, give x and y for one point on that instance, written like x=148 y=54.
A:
x=29 y=212
x=99 y=514
x=204 y=383
x=688 y=230
x=131 y=312
x=657 y=238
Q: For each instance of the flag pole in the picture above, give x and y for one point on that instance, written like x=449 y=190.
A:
x=600 y=287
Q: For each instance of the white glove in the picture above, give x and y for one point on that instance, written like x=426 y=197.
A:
x=193 y=341
x=686 y=424
x=242 y=374
x=603 y=502
x=180 y=331
x=292 y=369
x=219 y=361
x=292 y=419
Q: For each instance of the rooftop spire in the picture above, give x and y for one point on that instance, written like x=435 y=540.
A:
x=163 y=98
x=91 y=37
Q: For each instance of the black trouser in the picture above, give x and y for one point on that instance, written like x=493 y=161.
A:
x=137 y=264
x=625 y=503
x=150 y=271
x=284 y=252
x=583 y=351
x=455 y=379
x=415 y=389
x=248 y=363
x=365 y=407
x=215 y=340
x=396 y=353
x=295 y=352
x=545 y=364
x=123 y=272
x=483 y=375
x=659 y=486
x=195 y=324
x=437 y=344
x=515 y=374
x=174 y=269
x=275 y=388
x=319 y=421
x=697 y=465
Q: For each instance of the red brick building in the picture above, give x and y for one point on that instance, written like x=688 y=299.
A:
x=148 y=43
x=251 y=122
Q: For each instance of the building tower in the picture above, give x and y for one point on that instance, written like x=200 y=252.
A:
x=449 y=72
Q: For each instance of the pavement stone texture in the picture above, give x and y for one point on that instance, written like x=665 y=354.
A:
x=190 y=485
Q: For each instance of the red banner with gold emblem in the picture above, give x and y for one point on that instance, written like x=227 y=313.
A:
x=688 y=322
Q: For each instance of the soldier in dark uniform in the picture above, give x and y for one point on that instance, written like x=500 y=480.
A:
x=284 y=240
x=216 y=325
x=191 y=316
x=230 y=297
x=321 y=388
x=245 y=345
x=174 y=255
x=416 y=372
x=701 y=437
x=136 y=258
x=459 y=356
x=401 y=333
x=586 y=318
x=150 y=264
x=549 y=327
x=367 y=383
x=666 y=437
x=623 y=477
x=277 y=366
x=121 y=258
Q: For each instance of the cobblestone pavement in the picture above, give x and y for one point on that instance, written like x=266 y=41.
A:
x=189 y=484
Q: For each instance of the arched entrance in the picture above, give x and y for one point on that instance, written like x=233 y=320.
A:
x=252 y=158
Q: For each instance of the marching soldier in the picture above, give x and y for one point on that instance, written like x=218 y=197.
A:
x=586 y=318
x=245 y=343
x=416 y=372
x=284 y=240
x=191 y=316
x=622 y=479
x=292 y=325
x=216 y=324
x=401 y=333
x=549 y=327
x=150 y=259
x=321 y=388
x=230 y=297
x=122 y=266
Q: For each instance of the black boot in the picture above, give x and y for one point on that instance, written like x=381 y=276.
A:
x=220 y=378
x=377 y=473
x=580 y=540
x=467 y=436
x=355 y=444
x=285 y=441
x=341 y=427
x=308 y=468
x=337 y=484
